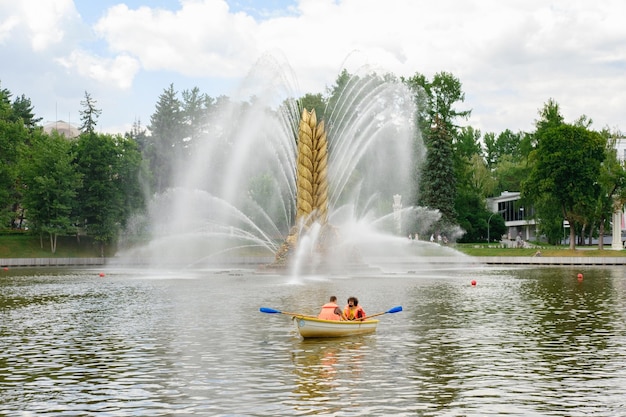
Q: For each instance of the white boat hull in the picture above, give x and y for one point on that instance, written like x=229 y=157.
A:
x=313 y=327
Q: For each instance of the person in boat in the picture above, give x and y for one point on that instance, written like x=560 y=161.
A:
x=353 y=311
x=331 y=311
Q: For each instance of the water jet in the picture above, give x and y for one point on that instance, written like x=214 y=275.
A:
x=276 y=186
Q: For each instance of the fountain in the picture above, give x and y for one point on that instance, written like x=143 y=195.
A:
x=251 y=191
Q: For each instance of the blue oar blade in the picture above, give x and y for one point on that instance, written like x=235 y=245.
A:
x=268 y=310
x=395 y=309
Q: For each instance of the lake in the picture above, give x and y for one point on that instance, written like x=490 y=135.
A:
x=524 y=341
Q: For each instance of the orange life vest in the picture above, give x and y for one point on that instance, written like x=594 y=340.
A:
x=355 y=313
x=328 y=312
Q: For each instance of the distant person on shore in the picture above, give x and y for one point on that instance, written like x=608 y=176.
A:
x=331 y=311
x=353 y=311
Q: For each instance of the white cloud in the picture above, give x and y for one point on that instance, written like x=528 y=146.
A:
x=511 y=56
x=7 y=25
x=118 y=71
x=44 y=21
x=200 y=39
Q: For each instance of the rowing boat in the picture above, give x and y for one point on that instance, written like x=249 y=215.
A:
x=313 y=327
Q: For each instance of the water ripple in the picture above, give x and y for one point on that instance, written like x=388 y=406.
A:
x=521 y=343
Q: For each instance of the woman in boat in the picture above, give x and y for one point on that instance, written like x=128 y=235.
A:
x=331 y=311
x=353 y=310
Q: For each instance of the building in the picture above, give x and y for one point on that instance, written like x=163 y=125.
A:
x=517 y=218
x=63 y=128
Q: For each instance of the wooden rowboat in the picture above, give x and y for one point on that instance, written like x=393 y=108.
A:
x=313 y=327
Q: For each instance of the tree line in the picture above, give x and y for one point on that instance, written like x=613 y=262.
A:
x=89 y=186
x=94 y=184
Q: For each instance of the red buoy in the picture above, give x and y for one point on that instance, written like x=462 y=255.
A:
x=473 y=283
x=580 y=277
x=101 y=274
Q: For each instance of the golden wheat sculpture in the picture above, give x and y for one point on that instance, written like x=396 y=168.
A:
x=312 y=171
x=311 y=182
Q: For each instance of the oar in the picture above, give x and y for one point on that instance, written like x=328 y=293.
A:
x=272 y=311
x=390 y=311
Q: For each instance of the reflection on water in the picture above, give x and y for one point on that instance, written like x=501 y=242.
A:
x=325 y=364
x=525 y=342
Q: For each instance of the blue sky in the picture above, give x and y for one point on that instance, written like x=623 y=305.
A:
x=510 y=56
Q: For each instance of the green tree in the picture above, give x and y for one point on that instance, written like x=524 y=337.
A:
x=551 y=224
x=196 y=111
x=470 y=170
x=478 y=222
x=110 y=191
x=491 y=153
x=13 y=134
x=89 y=114
x=24 y=110
x=313 y=102
x=50 y=182
x=342 y=86
x=437 y=118
x=549 y=116
x=438 y=179
x=509 y=174
x=566 y=167
x=612 y=181
x=467 y=143
x=507 y=157
x=508 y=143
x=166 y=142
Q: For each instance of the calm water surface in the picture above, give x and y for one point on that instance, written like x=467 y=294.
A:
x=522 y=342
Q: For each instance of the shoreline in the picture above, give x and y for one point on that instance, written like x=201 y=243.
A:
x=261 y=261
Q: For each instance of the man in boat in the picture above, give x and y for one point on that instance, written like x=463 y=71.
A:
x=353 y=311
x=331 y=311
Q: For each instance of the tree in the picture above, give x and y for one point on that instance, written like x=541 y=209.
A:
x=12 y=135
x=506 y=143
x=612 y=181
x=23 y=109
x=478 y=222
x=566 y=167
x=89 y=114
x=196 y=109
x=335 y=92
x=509 y=174
x=438 y=179
x=436 y=118
x=549 y=116
x=110 y=192
x=313 y=102
x=50 y=182
x=166 y=143
x=551 y=225
x=471 y=170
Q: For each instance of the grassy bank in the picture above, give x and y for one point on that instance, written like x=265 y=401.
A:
x=24 y=245
x=562 y=251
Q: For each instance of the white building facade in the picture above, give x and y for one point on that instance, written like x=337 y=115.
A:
x=517 y=218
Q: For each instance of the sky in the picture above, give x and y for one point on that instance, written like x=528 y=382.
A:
x=510 y=56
